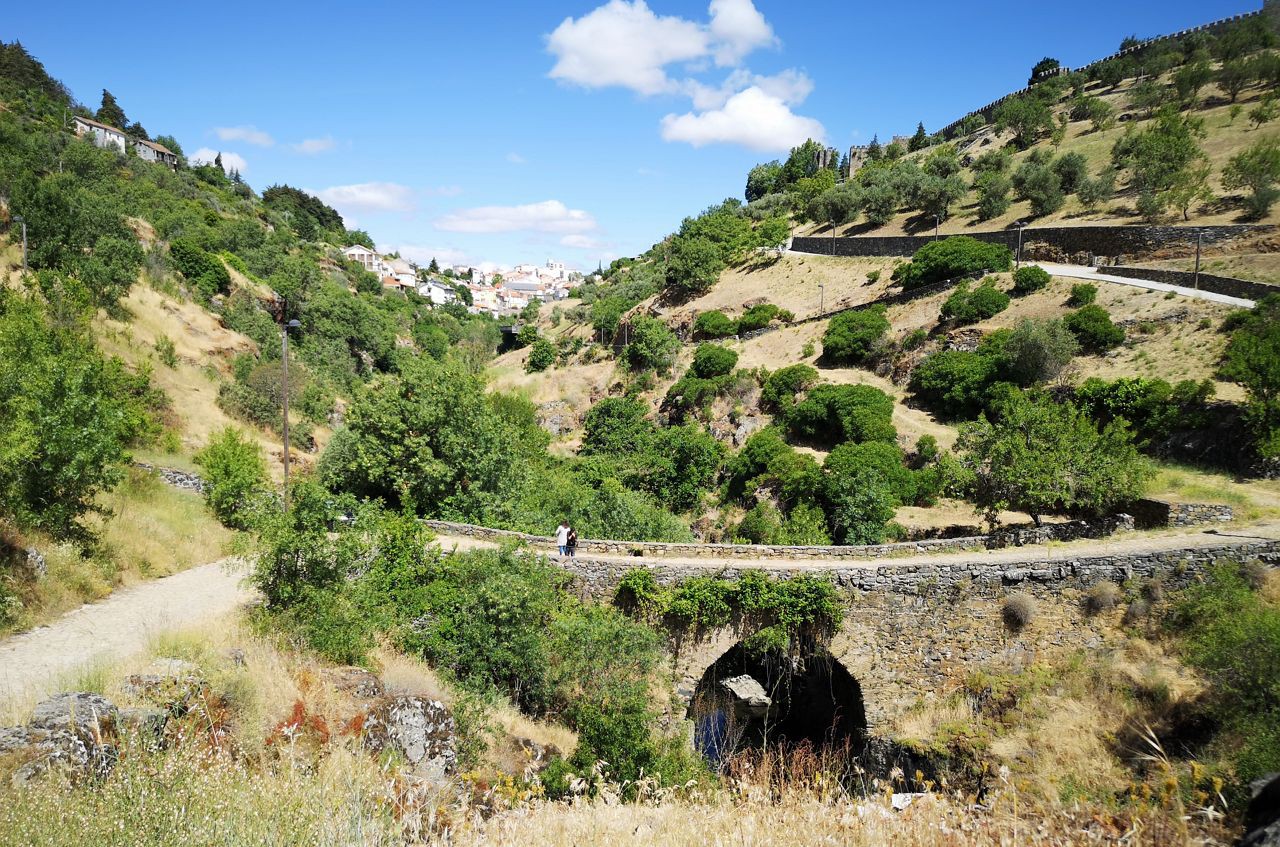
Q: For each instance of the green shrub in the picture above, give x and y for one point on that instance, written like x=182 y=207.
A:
x=714 y=324
x=712 y=360
x=1018 y=611
x=234 y=473
x=851 y=336
x=652 y=345
x=166 y=351
x=761 y=525
x=1029 y=278
x=1252 y=359
x=1037 y=351
x=955 y=383
x=1154 y=408
x=542 y=355
x=965 y=306
x=760 y=316
x=783 y=385
x=952 y=258
x=1093 y=328
x=834 y=413
x=202 y=270
x=1082 y=294
x=766 y=460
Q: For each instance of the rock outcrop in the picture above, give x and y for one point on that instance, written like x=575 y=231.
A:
x=420 y=730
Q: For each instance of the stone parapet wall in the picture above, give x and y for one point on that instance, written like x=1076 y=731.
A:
x=1150 y=513
x=1229 y=286
x=975 y=578
x=1069 y=531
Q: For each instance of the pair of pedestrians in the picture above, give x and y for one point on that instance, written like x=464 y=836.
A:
x=567 y=539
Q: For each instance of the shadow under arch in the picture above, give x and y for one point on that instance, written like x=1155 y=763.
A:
x=749 y=700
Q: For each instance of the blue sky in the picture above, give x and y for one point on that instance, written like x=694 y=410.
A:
x=513 y=131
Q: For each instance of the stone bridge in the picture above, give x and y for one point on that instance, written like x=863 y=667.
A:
x=916 y=626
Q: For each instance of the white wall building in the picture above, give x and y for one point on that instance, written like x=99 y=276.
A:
x=368 y=259
x=103 y=135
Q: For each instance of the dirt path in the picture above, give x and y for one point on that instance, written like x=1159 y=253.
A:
x=1123 y=543
x=34 y=662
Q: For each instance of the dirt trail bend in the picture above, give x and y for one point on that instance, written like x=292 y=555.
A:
x=34 y=662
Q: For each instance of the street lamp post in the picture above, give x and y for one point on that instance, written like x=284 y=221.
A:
x=937 y=224
x=1199 y=238
x=19 y=219
x=822 y=296
x=284 y=376
x=1017 y=262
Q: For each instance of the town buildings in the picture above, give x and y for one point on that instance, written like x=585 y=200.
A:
x=108 y=136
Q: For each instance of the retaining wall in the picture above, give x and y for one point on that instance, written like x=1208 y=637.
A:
x=1109 y=241
x=1149 y=512
x=1207 y=282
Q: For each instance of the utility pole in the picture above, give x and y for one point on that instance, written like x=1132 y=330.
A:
x=1199 y=238
x=18 y=219
x=284 y=374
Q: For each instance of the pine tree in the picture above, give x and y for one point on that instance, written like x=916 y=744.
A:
x=920 y=140
x=217 y=162
x=434 y=267
x=110 y=112
x=874 y=151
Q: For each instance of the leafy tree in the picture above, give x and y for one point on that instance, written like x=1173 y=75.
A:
x=1148 y=97
x=851 y=336
x=875 y=152
x=1042 y=457
x=1256 y=169
x=542 y=355
x=234 y=473
x=834 y=207
x=1072 y=170
x=1042 y=68
x=1190 y=79
x=878 y=194
x=1161 y=158
x=993 y=190
x=693 y=265
x=763 y=179
x=1252 y=359
x=615 y=425
x=67 y=416
x=1094 y=192
x=1189 y=186
x=774 y=231
x=993 y=161
x=1082 y=294
x=110 y=112
x=652 y=345
x=1234 y=76
x=801 y=162
x=935 y=195
x=1092 y=327
x=1036 y=181
x=712 y=360
x=863 y=484
x=1028 y=117
x=1037 y=350
x=1265 y=112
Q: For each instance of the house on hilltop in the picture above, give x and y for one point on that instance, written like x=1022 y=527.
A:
x=366 y=258
x=103 y=135
x=151 y=152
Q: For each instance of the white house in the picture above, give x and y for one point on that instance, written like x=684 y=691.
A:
x=484 y=297
x=103 y=135
x=405 y=273
x=151 y=152
x=368 y=259
x=437 y=292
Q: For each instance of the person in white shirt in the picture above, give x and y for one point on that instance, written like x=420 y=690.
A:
x=562 y=537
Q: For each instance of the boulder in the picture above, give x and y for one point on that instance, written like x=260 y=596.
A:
x=1262 y=818
x=749 y=697
x=173 y=684
x=539 y=754
x=91 y=717
x=36 y=563
x=420 y=730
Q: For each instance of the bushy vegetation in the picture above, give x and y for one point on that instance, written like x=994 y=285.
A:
x=1252 y=359
x=1093 y=328
x=1028 y=279
x=968 y=305
x=952 y=258
x=235 y=474
x=851 y=336
x=831 y=414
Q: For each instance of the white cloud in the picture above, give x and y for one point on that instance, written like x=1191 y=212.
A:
x=311 y=146
x=738 y=28
x=790 y=86
x=423 y=254
x=516 y=159
x=624 y=43
x=548 y=216
x=752 y=118
x=369 y=197
x=444 y=191
x=247 y=134
x=583 y=242
x=230 y=161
